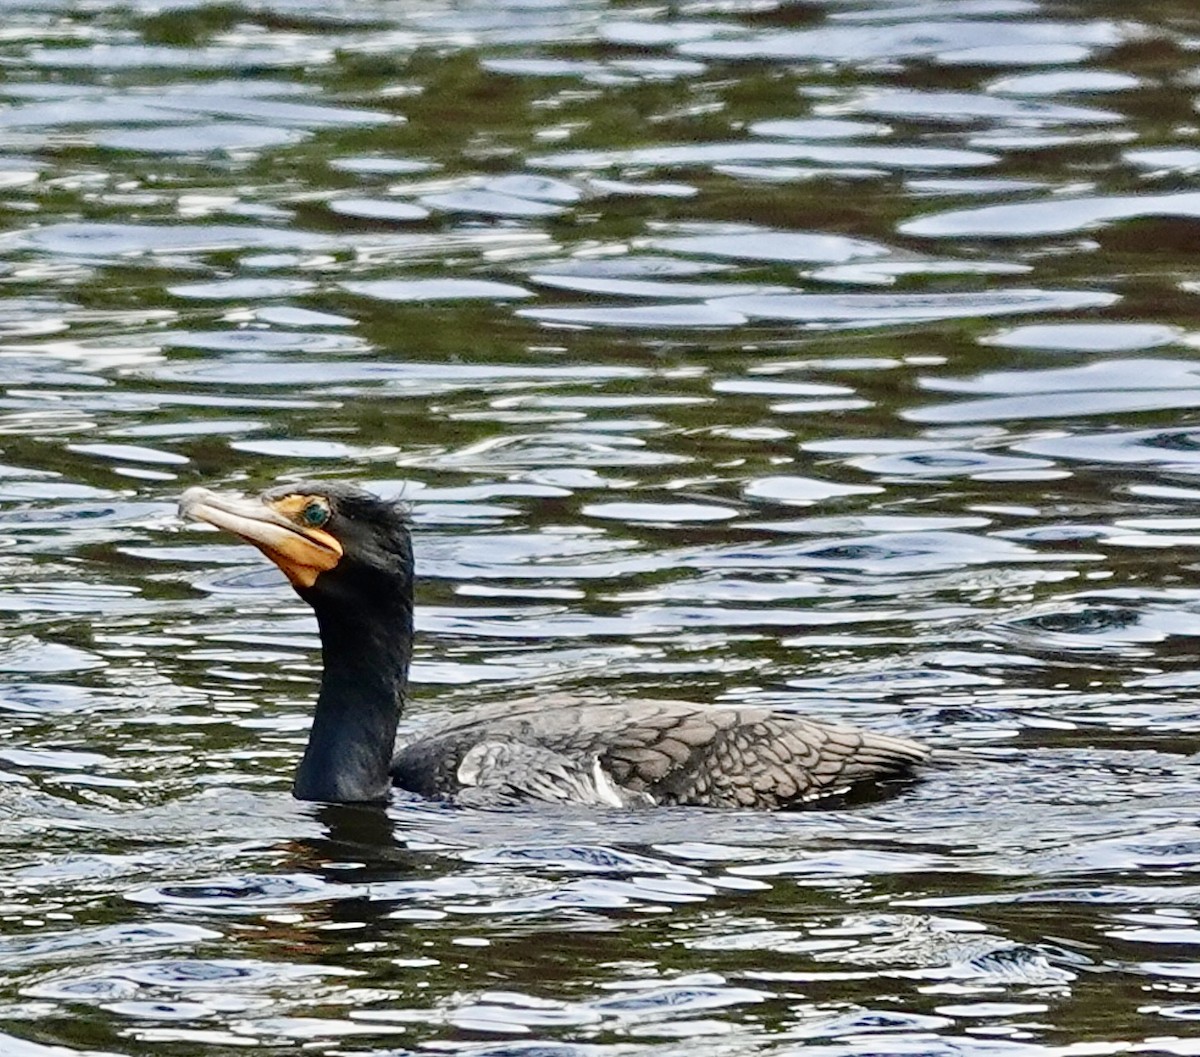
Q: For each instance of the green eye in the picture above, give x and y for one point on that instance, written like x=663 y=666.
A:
x=315 y=514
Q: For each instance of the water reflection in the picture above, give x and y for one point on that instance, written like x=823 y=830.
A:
x=834 y=357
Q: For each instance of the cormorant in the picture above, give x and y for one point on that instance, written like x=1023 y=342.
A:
x=348 y=554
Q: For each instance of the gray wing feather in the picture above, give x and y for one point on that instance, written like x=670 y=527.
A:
x=782 y=760
x=506 y=772
x=673 y=752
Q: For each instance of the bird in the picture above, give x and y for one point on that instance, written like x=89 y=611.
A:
x=348 y=553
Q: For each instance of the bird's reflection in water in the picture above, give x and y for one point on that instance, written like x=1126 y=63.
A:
x=355 y=857
x=356 y=834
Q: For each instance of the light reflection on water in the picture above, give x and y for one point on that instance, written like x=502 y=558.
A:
x=836 y=357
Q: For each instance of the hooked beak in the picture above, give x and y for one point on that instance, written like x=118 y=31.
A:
x=302 y=553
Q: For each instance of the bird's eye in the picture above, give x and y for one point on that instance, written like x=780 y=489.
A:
x=315 y=514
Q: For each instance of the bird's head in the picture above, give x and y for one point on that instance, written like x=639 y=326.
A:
x=335 y=542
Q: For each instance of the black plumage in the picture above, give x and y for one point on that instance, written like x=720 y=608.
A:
x=348 y=554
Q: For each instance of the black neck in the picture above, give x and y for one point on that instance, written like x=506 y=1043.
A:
x=366 y=652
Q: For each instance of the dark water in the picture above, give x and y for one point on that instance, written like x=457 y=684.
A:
x=840 y=356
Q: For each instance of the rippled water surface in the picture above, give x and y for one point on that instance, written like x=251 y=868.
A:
x=839 y=355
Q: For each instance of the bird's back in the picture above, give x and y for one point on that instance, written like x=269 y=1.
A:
x=662 y=752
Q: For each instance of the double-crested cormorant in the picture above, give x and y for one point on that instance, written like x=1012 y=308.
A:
x=348 y=554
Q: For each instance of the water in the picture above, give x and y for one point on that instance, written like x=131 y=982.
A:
x=839 y=356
